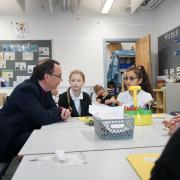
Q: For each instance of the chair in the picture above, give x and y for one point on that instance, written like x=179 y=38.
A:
x=4 y=169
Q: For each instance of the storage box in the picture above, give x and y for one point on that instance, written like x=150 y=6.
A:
x=114 y=129
x=114 y=46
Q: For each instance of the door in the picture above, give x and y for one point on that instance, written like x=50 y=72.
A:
x=143 y=53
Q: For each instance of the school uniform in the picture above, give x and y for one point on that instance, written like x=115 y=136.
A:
x=104 y=98
x=78 y=105
x=56 y=99
x=127 y=99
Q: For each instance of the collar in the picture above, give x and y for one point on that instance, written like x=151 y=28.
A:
x=74 y=97
x=43 y=90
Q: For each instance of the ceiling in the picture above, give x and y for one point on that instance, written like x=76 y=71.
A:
x=80 y=7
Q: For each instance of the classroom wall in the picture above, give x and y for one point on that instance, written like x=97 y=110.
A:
x=166 y=18
x=78 y=43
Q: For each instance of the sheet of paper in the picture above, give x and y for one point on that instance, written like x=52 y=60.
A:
x=102 y=111
x=72 y=159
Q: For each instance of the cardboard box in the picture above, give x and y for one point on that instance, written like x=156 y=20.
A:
x=114 y=46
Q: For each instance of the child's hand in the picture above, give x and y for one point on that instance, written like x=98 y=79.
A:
x=108 y=101
x=98 y=100
x=172 y=124
x=113 y=101
x=176 y=118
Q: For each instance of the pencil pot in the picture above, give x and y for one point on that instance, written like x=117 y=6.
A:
x=144 y=118
x=114 y=128
x=141 y=117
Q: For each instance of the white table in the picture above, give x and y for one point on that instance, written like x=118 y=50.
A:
x=72 y=122
x=101 y=165
x=85 y=139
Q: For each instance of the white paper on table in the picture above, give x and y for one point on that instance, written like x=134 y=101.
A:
x=102 y=111
x=72 y=159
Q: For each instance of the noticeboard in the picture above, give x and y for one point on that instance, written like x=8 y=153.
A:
x=18 y=58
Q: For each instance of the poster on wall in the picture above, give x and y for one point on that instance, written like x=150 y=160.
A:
x=7 y=73
x=2 y=64
x=8 y=56
x=27 y=56
x=22 y=78
x=19 y=47
x=42 y=58
x=30 y=68
x=20 y=66
x=1 y=56
x=43 y=51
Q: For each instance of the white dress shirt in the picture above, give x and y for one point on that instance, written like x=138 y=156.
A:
x=77 y=101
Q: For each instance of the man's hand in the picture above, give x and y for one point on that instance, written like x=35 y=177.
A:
x=65 y=113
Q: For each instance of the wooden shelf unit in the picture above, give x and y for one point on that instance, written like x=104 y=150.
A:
x=160 y=100
x=167 y=98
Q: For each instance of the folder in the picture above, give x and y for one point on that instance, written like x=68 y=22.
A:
x=143 y=163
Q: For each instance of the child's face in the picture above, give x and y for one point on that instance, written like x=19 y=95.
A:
x=100 y=92
x=130 y=79
x=76 y=82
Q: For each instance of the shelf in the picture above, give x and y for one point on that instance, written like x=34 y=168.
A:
x=157 y=90
x=160 y=99
x=158 y=106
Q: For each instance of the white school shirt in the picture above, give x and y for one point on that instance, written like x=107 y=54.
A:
x=142 y=98
x=77 y=101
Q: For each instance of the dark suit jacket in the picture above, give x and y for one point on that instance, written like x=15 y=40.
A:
x=26 y=109
x=85 y=102
x=168 y=165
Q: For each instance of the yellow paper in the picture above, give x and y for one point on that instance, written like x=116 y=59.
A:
x=143 y=163
x=86 y=118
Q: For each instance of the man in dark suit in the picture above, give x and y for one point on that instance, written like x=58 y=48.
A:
x=29 y=107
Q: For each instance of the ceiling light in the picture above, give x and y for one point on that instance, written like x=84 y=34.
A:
x=107 y=6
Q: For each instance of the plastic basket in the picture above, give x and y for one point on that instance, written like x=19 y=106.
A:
x=141 y=117
x=114 y=129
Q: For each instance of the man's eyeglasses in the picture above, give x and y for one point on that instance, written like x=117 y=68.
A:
x=131 y=78
x=58 y=76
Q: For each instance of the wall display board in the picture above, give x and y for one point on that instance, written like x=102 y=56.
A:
x=18 y=58
x=169 y=53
